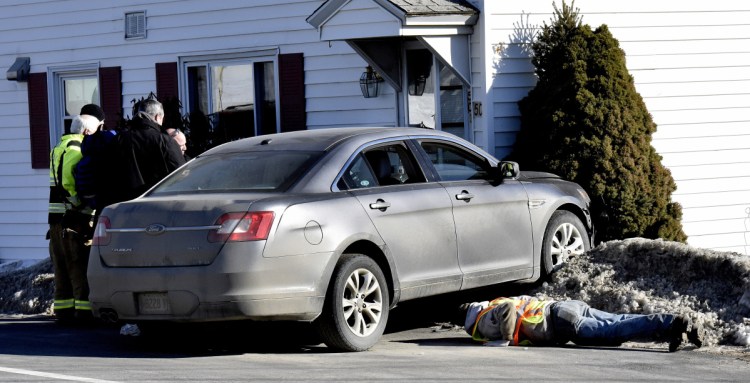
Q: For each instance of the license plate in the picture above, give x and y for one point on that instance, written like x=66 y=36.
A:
x=153 y=303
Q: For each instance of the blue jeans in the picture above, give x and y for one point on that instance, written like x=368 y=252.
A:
x=576 y=321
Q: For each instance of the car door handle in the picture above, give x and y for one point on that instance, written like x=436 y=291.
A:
x=465 y=196
x=380 y=205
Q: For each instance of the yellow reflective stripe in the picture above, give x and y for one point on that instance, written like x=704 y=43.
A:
x=63 y=304
x=56 y=207
x=536 y=318
x=83 y=305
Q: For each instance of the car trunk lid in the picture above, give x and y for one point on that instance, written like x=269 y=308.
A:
x=166 y=231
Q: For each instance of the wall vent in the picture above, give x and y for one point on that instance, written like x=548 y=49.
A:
x=135 y=25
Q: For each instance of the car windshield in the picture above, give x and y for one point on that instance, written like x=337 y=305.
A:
x=248 y=171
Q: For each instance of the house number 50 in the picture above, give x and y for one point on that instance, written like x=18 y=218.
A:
x=477 y=107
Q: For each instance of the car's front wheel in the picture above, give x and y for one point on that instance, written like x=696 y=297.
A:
x=356 y=307
x=564 y=237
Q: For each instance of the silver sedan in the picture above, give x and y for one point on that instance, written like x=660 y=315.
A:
x=334 y=226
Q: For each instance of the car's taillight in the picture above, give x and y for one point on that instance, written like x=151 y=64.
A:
x=251 y=226
x=101 y=237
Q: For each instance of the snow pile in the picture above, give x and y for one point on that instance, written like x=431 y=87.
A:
x=26 y=289
x=653 y=276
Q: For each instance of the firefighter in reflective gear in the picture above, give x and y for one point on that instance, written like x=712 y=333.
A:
x=526 y=320
x=70 y=225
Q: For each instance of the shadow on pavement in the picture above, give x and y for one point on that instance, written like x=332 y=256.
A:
x=41 y=335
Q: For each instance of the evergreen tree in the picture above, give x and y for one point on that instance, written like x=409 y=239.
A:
x=585 y=121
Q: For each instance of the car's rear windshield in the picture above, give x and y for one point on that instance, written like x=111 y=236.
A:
x=247 y=171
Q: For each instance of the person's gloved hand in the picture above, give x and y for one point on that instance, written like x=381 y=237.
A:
x=497 y=343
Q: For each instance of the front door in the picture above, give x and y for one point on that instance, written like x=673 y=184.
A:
x=493 y=225
x=413 y=217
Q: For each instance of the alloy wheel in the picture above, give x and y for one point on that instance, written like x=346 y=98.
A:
x=362 y=302
x=566 y=242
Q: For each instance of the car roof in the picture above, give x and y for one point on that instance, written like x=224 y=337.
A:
x=320 y=139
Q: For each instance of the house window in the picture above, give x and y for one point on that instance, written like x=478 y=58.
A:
x=230 y=99
x=71 y=90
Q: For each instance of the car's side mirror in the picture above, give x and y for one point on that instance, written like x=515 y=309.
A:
x=505 y=170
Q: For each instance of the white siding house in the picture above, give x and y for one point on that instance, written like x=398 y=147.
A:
x=691 y=64
x=690 y=61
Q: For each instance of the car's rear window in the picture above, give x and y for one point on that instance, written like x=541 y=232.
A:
x=260 y=171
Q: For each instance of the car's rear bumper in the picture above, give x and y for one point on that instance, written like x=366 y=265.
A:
x=231 y=288
x=188 y=307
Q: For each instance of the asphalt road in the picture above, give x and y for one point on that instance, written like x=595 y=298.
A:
x=36 y=349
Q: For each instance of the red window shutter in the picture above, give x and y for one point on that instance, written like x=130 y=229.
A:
x=292 y=92
x=166 y=81
x=110 y=79
x=38 y=121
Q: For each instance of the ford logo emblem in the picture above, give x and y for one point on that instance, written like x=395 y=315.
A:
x=155 y=229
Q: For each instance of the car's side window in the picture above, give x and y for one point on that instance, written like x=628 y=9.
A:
x=382 y=166
x=455 y=164
x=358 y=175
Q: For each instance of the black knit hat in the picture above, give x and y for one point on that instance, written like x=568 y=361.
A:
x=93 y=110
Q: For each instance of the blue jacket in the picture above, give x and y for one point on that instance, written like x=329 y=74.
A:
x=90 y=170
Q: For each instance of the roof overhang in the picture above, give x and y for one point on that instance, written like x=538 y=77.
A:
x=375 y=28
x=344 y=20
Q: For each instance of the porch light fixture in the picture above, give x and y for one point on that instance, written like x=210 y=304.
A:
x=416 y=88
x=369 y=83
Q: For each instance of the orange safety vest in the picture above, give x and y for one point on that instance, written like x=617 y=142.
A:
x=529 y=313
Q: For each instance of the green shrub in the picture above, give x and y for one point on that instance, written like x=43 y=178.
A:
x=585 y=121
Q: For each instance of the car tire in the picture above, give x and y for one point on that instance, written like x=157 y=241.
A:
x=356 y=306
x=564 y=237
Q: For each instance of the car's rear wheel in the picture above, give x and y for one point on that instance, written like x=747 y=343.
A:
x=564 y=237
x=356 y=307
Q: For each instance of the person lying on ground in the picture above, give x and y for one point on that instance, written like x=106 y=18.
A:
x=525 y=320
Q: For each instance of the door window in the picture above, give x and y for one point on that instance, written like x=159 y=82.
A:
x=454 y=164
x=382 y=166
x=453 y=111
x=435 y=98
x=421 y=88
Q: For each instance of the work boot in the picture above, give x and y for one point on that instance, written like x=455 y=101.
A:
x=65 y=317
x=84 y=318
x=696 y=334
x=676 y=332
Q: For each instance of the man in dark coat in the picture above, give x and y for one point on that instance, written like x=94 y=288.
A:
x=143 y=154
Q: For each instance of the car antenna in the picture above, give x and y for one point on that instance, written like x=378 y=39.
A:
x=266 y=141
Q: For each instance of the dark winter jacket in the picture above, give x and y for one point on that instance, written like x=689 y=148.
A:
x=141 y=156
x=89 y=170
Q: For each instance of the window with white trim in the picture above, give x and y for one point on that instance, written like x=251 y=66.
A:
x=235 y=96
x=71 y=89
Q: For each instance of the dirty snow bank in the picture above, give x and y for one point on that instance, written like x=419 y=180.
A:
x=652 y=276
x=26 y=289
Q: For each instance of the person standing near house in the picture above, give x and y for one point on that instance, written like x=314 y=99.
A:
x=526 y=320
x=70 y=225
x=141 y=155
x=93 y=164
x=179 y=137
